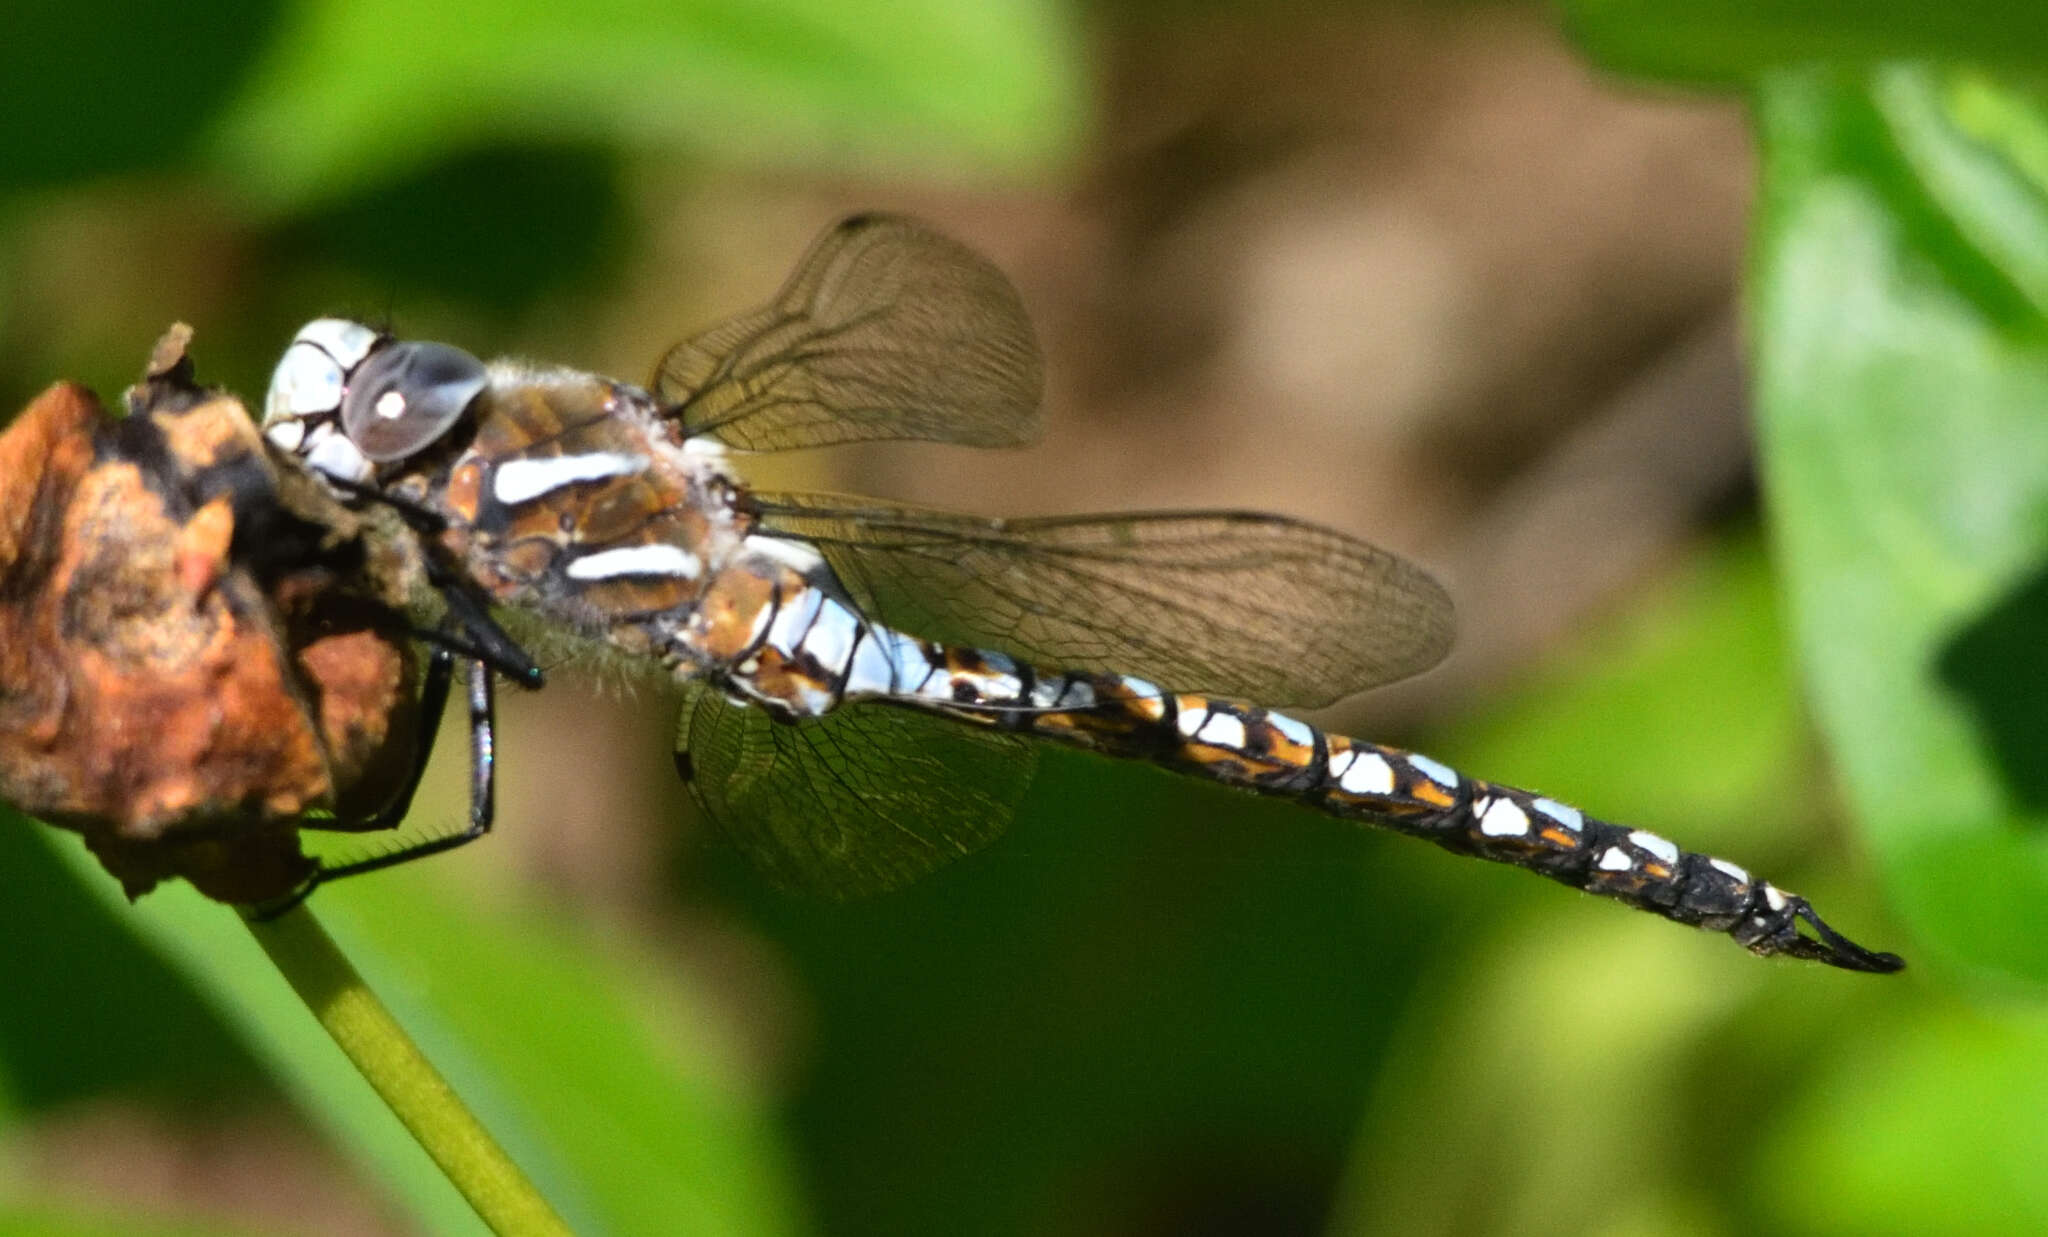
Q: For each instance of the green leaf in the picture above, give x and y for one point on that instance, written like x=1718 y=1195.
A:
x=356 y=90
x=1723 y=41
x=208 y=943
x=79 y=985
x=580 y=1048
x=1901 y=358
x=595 y=1070
x=1934 y=1126
x=91 y=91
x=32 y=1221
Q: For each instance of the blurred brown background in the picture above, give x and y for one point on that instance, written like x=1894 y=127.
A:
x=1415 y=273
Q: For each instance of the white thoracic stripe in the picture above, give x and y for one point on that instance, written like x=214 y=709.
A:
x=796 y=555
x=518 y=481
x=636 y=560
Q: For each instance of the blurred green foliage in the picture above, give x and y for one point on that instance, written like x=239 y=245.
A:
x=1738 y=42
x=355 y=89
x=103 y=87
x=1899 y=289
x=51 y=1222
x=1158 y=1007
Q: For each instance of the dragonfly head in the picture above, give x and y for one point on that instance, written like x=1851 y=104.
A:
x=347 y=398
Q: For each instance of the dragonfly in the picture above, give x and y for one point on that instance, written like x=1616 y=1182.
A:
x=866 y=684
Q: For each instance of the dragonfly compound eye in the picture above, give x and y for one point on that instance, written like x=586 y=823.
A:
x=405 y=397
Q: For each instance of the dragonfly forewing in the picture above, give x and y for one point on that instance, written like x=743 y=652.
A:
x=1237 y=603
x=886 y=330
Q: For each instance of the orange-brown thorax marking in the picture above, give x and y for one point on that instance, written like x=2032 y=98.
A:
x=574 y=498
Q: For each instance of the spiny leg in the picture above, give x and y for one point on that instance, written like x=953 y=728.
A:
x=433 y=703
x=482 y=783
x=482 y=778
x=496 y=650
x=482 y=639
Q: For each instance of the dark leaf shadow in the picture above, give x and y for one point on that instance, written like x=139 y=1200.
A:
x=499 y=227
x=1997 y=666
x=105 y=87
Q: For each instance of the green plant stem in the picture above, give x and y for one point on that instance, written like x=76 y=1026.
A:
x=409 y=1084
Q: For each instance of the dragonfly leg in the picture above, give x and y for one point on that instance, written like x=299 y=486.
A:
x=482 y=790
x=519 y=667
x=481 y=638
x=433 y=703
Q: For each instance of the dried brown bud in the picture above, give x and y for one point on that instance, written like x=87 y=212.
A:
x=197 y=644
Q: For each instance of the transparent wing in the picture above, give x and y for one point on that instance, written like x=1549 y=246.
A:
x=886 y=330
x=857 y=802
x=1236 y=604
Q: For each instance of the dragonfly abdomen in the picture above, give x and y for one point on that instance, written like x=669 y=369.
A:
x=1270 y=753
